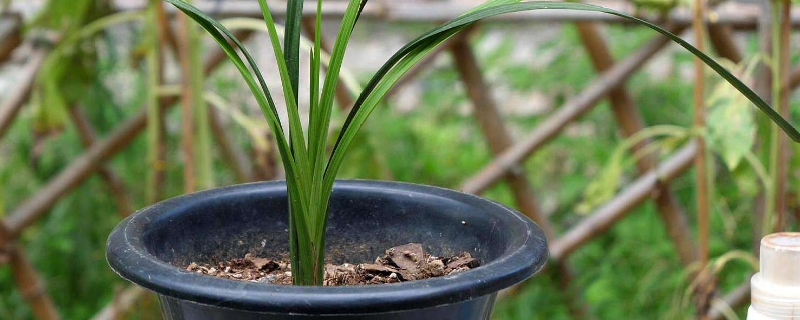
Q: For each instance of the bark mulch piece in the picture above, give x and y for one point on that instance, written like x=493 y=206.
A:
x=399 y=264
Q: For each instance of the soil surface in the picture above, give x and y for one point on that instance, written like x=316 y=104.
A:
x=399 y=264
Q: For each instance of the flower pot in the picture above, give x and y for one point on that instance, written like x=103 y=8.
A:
x=366 y=218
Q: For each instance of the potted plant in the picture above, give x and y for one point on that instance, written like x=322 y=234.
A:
x=312 y=215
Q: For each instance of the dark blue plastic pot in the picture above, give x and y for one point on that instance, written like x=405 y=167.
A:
x=366 y=217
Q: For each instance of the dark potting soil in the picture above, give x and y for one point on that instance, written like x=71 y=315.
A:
x=399 y=264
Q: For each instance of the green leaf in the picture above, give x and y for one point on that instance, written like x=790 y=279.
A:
x=365 y=103
x=320 y=120
x=731 y=126
x=291 y=42
x=262 y=95
x=296 y=136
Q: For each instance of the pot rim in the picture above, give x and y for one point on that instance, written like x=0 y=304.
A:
x=127 y=256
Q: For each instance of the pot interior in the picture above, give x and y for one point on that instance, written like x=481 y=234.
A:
x=363 y=222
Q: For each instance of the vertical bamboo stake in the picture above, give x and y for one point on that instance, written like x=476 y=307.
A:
x=166 y=40
x=202 y=121
x=187 y=102
x=705 y=289
x=763 y=88
x=190 y=105
x=781 y=156
x=154 y=130
x=699 y=122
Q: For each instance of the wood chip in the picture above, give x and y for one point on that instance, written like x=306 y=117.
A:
x=376 y=269
x=409 y=257
x=463 y=260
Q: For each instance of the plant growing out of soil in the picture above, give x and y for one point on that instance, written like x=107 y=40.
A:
x=310 y=169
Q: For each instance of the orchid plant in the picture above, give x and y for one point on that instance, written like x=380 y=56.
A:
x=310 y=169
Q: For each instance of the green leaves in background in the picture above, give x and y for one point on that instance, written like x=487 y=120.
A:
x=731 y=128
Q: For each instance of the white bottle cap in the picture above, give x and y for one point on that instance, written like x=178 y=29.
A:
x=775 y=289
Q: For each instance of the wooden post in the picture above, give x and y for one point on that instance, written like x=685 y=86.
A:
x=30 y=285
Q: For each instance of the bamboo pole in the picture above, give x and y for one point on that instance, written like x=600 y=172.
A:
x=631 y=196
x=762 y=86
x=112 y=180
x=571 y=110
x=630 y=121
x=30 y=285
x=498 y=139
x=10 y=34
x=733 y=14
x=121 y=303
x=706 y=286
x=156 y=131
x=233 y=156
x=782 y=155
x=721 y=37
x=734 y=299
x=19 y=95
x=188 y=102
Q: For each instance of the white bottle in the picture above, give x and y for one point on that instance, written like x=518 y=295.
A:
x=775 y=290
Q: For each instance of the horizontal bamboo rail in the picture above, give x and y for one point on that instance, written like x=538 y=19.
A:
x=123 y=301
x=734 y=14
x=631 y=196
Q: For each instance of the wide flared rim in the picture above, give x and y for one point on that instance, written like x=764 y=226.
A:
x=127 y=256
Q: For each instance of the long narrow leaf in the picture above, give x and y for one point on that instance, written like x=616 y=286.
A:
x=263 y=97
x=489 y=11
x=291 y=42
x=296 y=135
x=318 y=129
x=371 y=100
x=314 y=111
